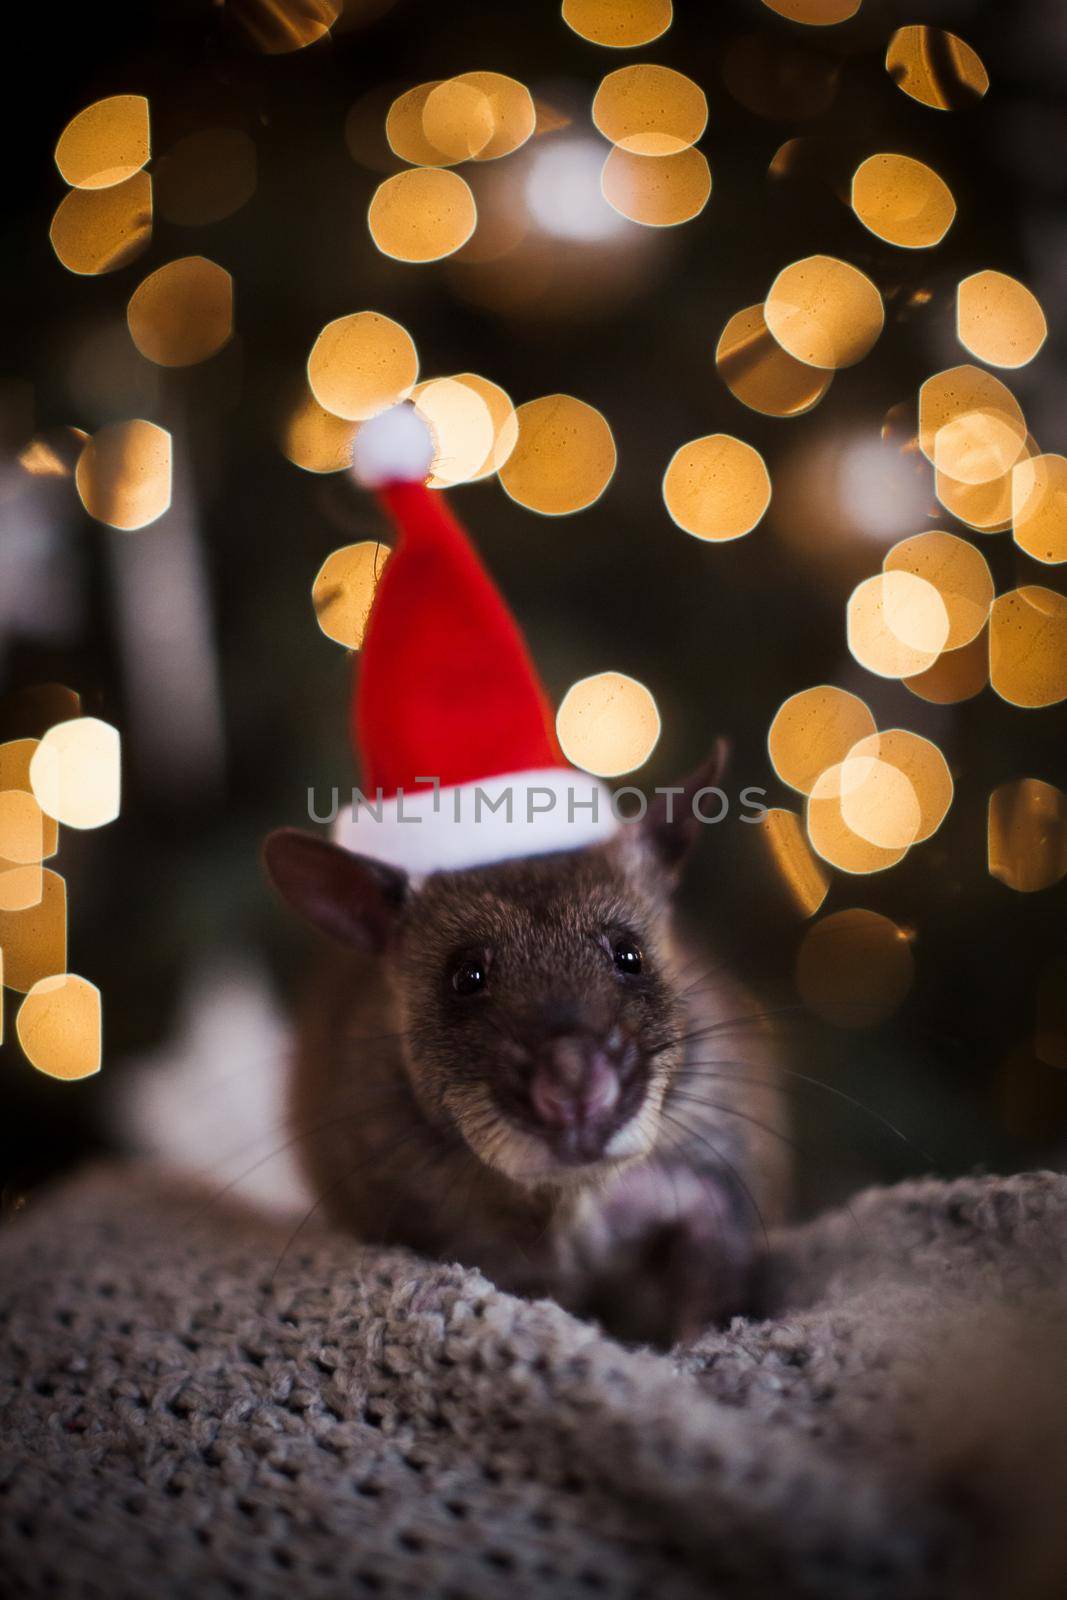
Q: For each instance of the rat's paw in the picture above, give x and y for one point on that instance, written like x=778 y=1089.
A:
x=662 y=1256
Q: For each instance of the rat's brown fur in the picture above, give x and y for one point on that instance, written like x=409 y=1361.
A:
x=404 y=1139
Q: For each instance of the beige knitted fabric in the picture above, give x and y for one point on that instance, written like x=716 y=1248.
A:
x=185 y=1416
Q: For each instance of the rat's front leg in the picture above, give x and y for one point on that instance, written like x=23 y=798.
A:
x=660 y=1254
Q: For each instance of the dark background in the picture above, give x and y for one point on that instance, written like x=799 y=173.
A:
x=722 y=634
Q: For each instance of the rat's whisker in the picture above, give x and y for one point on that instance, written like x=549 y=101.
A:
x=724 y=1161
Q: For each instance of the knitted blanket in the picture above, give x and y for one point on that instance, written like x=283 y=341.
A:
x=190 y=1408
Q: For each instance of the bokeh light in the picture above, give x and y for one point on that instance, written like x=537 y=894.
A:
x=564 y=457
x=898 y=624
x=59 y=1027
x=830 y=834
x=315 y=439
x=1028 y=646
x=362 y=364
x=100 y=230
x=182 y=313
x=854 y=968
x=878 y=800
x=422 y=214
x=514 y=115
x=564 y=193
x=15 y=758
x=76 y=773
x=824 y=312
x=958 y=572
x=608 y=724
x=813 y=730
x=106 y=143
x=926 y=770
x=620 y=27
x=1039 y=507
x=457 y=119
x=278 y=27
x=936 y=68
x=344 y=588
x=503 y=417
x=124 y=474
x=970 y=425
x=806 y=879
x=955 y=676
x=984 y=507
x=999 y=320
x=650 y=110
x=902 y=201
x=717 y=487
x=205 y=177
x=404 y=129
x=759 y=373
x=34 y=939
x=462 y=428
x=1027 y=835
x=657 y=191
x=815 y=13
x=21 y=828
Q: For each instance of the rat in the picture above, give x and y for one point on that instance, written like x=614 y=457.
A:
x=525 y=1067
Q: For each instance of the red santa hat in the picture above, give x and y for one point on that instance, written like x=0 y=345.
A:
x=461 y=764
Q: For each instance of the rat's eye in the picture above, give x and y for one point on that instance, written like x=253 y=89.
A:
x=627 y=957
x=469 y=975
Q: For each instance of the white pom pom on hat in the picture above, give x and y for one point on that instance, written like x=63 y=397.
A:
x=396 y=446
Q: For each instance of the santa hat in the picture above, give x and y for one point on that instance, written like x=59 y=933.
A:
x=461 y=764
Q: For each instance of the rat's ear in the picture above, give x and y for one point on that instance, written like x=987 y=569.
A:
x=670 y=824
x=349 y=897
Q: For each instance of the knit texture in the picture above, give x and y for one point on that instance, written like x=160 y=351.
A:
x=195 y=1403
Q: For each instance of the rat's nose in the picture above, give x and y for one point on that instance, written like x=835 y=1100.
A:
x=573 y=1093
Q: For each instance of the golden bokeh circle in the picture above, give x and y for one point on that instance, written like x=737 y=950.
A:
x=650 y=110
x=958 y=572
x=457 y=119
x=513 y=111
x=462 y=428
x=759 y=373
x=620 y=27
x=362 y=364
x=1027 y=835
x=970 y=425
x=182 y=313
x=717 y=487
x=503 y=417
x=955 y=676
x=123 y=476
x=854 y=968
x=902 y=201
x=815 y=13
x=33 y=937
x=22 y=841
x=101 y=230
x=830 y=835
x=924 y=766
x=937 y=68
x=897 y=624
x=76 y=773
x=984 y=507
x=1028 y=646
x=279 y=27
x=878 y=800
x=422 y=214
x=1039 y=507
x=656 y=191
x=106 y=143
x=206 y=176
x=344 y=589
x=15 y=758
x=999 y=320
x=315 y=439
x=564 y=457
x=59 y=1027
x=815 y=729
x=824 y=312
x=404 y=129
x=804 y=875
x=608 y=724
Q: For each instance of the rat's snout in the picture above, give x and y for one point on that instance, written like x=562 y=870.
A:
x=574 y=1084
x=575 y=1089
